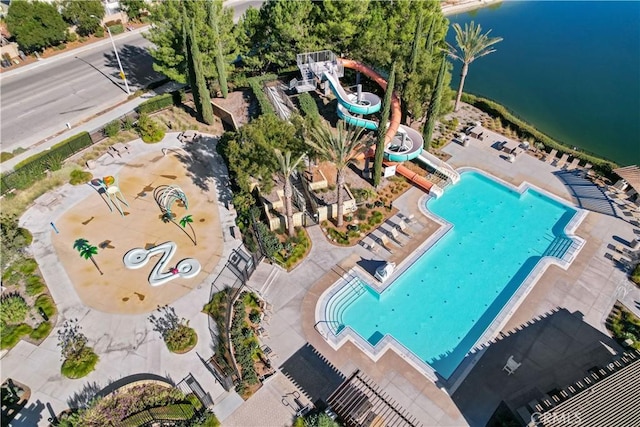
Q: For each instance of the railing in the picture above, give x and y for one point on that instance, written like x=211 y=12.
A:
x=441 y=166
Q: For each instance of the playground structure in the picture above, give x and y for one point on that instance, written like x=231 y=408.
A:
x=166 y=195
x=402 y=143
x=161 y=273
x=111 y=189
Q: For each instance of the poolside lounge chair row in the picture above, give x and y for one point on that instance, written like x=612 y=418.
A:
x=390 y=230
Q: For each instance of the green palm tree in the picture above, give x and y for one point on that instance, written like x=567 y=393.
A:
x=187 y=220
x=471 y=46
x=286 y=169
x=341 y=148
x=87 y=251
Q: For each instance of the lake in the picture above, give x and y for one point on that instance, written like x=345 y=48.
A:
x=572 y=69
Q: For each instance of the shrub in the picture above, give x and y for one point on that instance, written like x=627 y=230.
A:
x=181 y=339
x=26 y=266
x=45 y=302
x=150 y=131
x=159 y=102
x=34 y=285
x=127 y=123
x=269 y=240
x=41 y=331
x=13 y=309
x=71 y=36
x=4 y=156
x=11 y=334
x=254 y=316
x=255 y=83
x=309 y=107
x=111 y=129
x=63 y=46
x=635 y=276
x=116 y=29
x=79 y=176
x=99 y=32
x=81 y=365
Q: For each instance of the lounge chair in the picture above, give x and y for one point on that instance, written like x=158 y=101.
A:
x=587 y=171
x=621 y=259
x=389 y=230
x=561 y=161
x=400 y=225
x=511 y=366
x=551 y=156
x=368 y=243
x=382 y=239
x=574 y=164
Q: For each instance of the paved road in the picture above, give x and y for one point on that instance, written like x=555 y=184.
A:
x=40 y=99
x=38 y=102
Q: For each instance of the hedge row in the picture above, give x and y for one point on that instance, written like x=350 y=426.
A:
x=309 y=107
x=28 y=171
x=159 y=102
x=255 y=83
x=526 y=131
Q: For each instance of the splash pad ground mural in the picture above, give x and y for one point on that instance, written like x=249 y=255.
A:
x=128 y=291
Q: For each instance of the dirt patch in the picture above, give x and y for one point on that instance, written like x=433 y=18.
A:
x=184 y=118
x=240 y=103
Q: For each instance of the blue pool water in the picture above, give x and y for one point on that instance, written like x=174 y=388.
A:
x=442 y=304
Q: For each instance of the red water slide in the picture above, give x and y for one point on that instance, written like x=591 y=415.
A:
x=394 y=121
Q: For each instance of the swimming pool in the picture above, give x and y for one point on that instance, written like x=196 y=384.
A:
x=444 y=301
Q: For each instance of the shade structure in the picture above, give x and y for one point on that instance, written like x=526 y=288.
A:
x=631 y=174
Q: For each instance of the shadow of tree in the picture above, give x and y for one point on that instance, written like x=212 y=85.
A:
x=137 y=64
x=82 y=398
x=206 y=167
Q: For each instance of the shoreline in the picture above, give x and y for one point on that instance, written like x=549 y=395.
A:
x=466 y=6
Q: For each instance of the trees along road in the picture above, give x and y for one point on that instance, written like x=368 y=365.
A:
x=37 y=102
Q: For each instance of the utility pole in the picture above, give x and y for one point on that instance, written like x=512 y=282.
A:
x=115 y=51
x=122 y=75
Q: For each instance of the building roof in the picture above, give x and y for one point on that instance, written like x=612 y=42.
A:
x=611 y=401
x=360 y=402
x=631 y=174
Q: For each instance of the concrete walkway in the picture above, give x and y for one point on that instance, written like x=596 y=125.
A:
x=126 y=344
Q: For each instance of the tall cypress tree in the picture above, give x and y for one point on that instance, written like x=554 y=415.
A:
x=204 y=97
x=434 y=104
x=382 y=127
x=188 y=41
x=430 y=35
x=415 y=48
x=220 y=65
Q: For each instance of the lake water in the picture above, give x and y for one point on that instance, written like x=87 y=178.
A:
x=572 y=69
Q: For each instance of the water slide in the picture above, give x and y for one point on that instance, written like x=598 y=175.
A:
x=402 y=143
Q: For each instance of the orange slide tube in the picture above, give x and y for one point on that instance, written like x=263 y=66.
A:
x=396 y=113
x=394 y=121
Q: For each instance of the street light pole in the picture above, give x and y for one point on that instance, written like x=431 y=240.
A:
x=122 y=75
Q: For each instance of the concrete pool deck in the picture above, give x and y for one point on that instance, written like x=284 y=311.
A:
x=583 y=295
